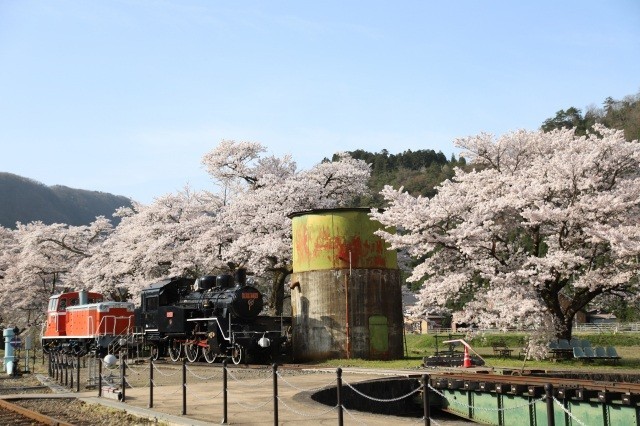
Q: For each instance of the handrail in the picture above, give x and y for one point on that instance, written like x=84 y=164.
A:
x=103 y=324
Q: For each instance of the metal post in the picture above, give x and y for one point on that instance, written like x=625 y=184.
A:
x=548 y=390
x=66 y=371
x=275 y=394
x=78 y=375
x=224 y=392
x=50 y=366
x=339 y=396
x=99 y=375
x=184 y=386
x=151 y=382
x=425 y=400
x=123 y=373
x=70 y=361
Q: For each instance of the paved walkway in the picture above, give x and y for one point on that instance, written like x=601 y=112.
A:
x=250 y=402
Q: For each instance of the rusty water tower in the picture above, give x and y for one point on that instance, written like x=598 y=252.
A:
x=346 y=297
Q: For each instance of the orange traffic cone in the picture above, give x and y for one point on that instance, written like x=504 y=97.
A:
x=466 y=363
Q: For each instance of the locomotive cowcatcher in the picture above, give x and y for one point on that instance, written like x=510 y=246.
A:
x=212 y=316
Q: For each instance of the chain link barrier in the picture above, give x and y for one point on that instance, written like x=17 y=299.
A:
x=573 y=418
x=352 y=416
x=178 y=389
x=194 y=374
x=155 y=367
x=135 y=370
x=247 y=406
x=243 y=382
x=301 y=414
x=248 y=382
x=380 y=399
x=291 y=385
x=137 y=373
x=200 y=396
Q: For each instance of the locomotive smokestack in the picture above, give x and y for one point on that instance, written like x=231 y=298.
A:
x=241 y=276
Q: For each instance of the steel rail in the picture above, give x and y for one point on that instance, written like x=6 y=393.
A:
x=33 y=415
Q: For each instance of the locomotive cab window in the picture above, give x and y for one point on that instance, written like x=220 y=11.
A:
x=151 y=303
x=53 y=304
x=62 y=306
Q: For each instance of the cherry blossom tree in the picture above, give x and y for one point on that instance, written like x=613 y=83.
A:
x=263 y=190
x=39 y=263
x=9 y=249
x=547 y=224
x=9 y=254
x=171 y=236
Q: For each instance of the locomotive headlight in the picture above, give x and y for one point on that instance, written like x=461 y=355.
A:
x=264 y=342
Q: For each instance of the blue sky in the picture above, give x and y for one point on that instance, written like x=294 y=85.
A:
x=127 y=96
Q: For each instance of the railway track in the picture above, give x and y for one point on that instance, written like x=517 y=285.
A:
x=12 y=414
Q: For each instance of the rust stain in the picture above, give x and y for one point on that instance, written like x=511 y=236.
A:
x=330 y=241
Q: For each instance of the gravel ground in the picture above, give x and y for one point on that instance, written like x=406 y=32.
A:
x=70 y=410
x=80 y=413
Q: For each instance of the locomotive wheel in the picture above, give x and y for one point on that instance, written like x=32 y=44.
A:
x=209 y=355
x=154 y=352
x=192 y=351
x=175 y=349
x=237 y=354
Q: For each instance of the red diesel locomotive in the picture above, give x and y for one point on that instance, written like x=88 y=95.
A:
x=79 y=322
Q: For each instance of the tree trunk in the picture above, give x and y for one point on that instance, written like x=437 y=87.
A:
x=562 y=316
x=277 y=291
x=562 y=324
x=564 y=332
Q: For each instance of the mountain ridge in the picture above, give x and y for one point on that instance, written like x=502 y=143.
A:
x=25 y=200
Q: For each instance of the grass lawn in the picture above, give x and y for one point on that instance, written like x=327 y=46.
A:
x=419 y=346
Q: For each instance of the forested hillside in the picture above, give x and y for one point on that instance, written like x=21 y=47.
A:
x=616 y=114
x=419 y=172
x=26 y=200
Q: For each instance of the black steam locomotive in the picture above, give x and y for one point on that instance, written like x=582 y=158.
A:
x=212 y=317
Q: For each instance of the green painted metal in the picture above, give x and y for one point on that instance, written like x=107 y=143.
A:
x=587 y=412
x=484 y=406
x=622 y=415
x=456 y=402
x=338 y=239
x=539 y=415
x=378 y=334
x=517 y=410
x=491 y=408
